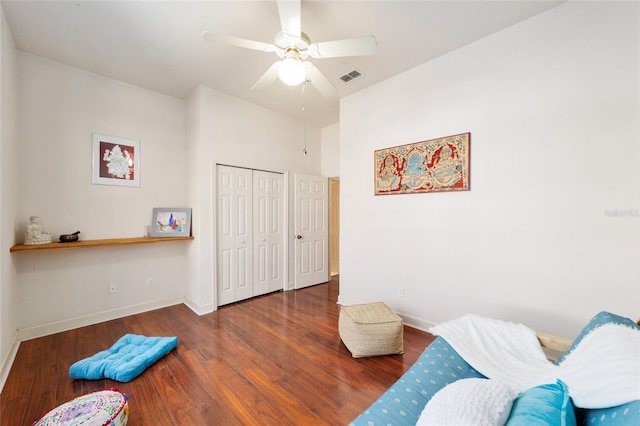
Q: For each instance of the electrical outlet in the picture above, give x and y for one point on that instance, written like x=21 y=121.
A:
x=401 y=291
x=149 y=282
x=112 y=288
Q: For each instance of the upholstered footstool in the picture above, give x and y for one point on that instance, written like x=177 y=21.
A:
x=371 y=329
x=108 y=407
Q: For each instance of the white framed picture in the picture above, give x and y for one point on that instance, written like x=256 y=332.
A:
x=116 y=161
x=170 y=222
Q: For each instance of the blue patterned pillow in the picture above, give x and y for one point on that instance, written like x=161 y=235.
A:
x=544 y=405
x=622 y=415
x=403 y=402
x=600 y=319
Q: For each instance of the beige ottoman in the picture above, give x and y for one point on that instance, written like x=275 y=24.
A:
x=370 y=329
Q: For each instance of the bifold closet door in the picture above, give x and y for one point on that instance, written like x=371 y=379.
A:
x=250 y=222
x=268 y=232
x=235 y=235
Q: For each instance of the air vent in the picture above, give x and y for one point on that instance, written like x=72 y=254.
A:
x=351 y=75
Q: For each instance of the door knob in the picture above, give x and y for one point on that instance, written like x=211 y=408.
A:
x=298 y=237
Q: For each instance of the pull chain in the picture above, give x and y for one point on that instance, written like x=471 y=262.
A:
x=304 y=110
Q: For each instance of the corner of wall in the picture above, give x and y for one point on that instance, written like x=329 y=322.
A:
x=199 y=309
x=6 y=365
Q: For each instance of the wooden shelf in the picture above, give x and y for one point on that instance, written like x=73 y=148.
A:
x=98 y=243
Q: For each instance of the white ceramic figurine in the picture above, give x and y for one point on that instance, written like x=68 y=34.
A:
x=34 y=235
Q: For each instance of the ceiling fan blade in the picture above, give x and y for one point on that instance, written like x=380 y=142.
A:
x=267 y=78
x=321 y=83
x=289 y=11
x=238 y=42
x=358 y=46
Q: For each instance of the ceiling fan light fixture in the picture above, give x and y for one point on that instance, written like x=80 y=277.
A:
x=291 y=71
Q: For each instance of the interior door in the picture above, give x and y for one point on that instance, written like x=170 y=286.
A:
x=235 y=254
x=311 y=196
x=268 y=232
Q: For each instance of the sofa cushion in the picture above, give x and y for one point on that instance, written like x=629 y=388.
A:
x=620 y=415
x=598 y=320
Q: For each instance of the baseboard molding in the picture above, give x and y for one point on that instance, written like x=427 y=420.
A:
x=419 y=323
x=411 y=321
x=199 y=309
x=346 y=302
x=8 y=363
x=69 y=324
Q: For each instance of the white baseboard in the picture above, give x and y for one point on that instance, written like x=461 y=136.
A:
x=69 y=324
x=419 y=323
x=346 y=302
x=199 y=309
x=411 y=321
x=8 y=363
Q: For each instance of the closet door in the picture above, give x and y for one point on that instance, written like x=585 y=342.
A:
x=234 y=229
x=268 y=233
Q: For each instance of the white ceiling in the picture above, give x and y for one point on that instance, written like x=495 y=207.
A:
x=157 y=44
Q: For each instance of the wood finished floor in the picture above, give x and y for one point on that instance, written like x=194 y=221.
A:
x=275 y=359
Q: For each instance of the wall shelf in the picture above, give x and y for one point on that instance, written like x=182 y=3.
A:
x=97 y=243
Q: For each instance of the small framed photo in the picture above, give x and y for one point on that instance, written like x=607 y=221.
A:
x=170 y=222
x=116 y=161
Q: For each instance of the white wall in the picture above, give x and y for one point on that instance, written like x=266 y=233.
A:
x=8 y=287
x=331 y=150
x=225 y=130
x=548 y=234
x=58 y=109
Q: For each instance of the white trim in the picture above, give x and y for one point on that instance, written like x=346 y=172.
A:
x=286 y=285
x=6 y=367
x=419 y=323
x=411 y=321
x=199 y=309
x=70 y=324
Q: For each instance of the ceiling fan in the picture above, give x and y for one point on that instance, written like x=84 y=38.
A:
x=294 y=47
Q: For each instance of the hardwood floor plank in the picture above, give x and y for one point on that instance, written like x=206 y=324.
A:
x=271 y=360
x=146 y=406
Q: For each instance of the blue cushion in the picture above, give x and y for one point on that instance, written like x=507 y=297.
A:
x=403 y=402
x=621 y=415
x=600 y=319
x=125 y=360
x=543 y=405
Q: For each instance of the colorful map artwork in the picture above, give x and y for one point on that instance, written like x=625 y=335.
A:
x=430 y=166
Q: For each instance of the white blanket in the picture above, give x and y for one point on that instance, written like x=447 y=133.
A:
x=602 y=371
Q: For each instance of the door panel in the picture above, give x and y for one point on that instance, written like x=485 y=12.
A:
x=235 y=257
x=268 y=198
x=312 y=230
x=250 y=233
x=277 y=232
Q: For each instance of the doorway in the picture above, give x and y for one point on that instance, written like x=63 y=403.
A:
x=334 y=227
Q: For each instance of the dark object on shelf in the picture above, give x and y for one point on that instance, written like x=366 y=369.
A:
x=69 y=238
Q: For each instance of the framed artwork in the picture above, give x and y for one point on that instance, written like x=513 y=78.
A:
x=116 y=161
x=170 y=222
x=435 y=165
